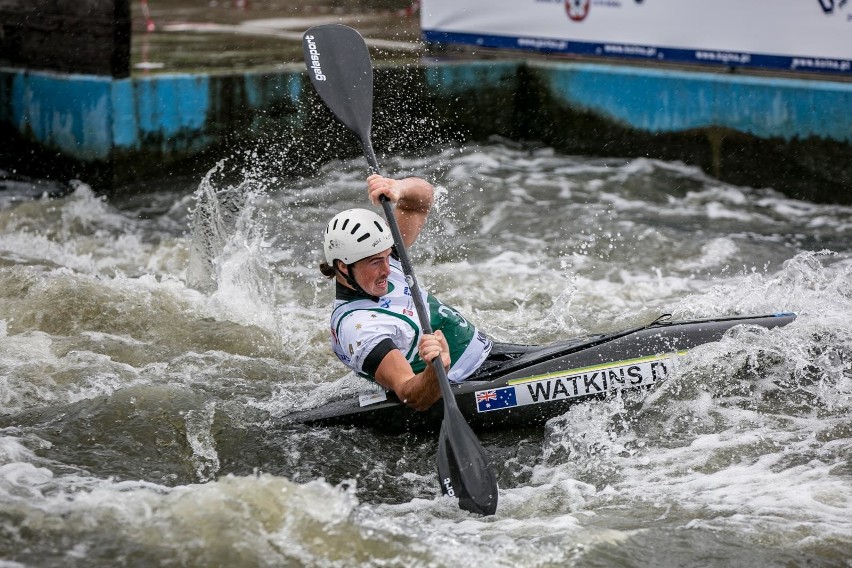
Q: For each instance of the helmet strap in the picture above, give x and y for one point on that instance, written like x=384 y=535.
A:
x=349 y=277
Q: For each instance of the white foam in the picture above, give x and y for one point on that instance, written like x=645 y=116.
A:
x=748 y=436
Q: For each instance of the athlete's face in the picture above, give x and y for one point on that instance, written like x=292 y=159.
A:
x=372 y=273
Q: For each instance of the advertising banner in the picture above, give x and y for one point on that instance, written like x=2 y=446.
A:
x=795 y=35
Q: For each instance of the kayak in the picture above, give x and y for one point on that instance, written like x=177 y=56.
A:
x=525 y=385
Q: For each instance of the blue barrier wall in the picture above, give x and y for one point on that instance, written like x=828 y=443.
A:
x=660 y=101
x=91 y=117
x=138 y=126
x=67 y=113
x=672 y=101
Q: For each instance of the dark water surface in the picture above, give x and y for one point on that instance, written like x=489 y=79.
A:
x=150 y=346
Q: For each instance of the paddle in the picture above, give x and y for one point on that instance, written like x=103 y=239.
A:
x=340 y=69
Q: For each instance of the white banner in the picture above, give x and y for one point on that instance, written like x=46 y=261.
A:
x=803 y=35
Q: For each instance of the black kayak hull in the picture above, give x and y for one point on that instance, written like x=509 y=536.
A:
x=545 y=381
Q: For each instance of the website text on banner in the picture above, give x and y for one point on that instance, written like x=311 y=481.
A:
x=796 y=35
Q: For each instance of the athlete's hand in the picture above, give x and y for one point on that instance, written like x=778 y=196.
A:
x=433 y=345
x=378 y=185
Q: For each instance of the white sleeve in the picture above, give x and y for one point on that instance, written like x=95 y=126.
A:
x=362 y=330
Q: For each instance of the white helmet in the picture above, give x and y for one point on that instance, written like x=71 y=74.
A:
x=355 y=234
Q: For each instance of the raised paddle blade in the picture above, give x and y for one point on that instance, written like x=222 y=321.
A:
x=463 y=468
x=340 y=69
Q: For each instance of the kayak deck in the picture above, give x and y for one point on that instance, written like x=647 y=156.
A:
x=535 y=383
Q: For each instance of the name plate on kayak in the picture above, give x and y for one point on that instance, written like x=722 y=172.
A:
x=575 y=383
x=372 y=396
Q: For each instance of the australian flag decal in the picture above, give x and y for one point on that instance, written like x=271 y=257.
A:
x=496 y=399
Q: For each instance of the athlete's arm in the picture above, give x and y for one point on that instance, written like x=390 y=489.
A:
x=413 y=198
x=420 y=390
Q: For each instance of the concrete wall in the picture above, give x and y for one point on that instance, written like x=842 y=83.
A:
x=791 y=134
x=114 y=131
x=75 y=36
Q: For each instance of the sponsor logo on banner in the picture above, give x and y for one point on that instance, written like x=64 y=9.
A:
x=833 y=6
x=577 y=9
x=574 y=383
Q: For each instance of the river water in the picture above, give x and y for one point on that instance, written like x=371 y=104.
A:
x=150 y=346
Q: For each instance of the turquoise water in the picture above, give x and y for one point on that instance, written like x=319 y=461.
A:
x=150 y=346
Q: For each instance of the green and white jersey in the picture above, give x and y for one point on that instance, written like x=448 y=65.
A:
x=359 y=325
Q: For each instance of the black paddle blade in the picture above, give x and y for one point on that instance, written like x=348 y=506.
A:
x=463 y=470
x=447 y=472
x=340 y=69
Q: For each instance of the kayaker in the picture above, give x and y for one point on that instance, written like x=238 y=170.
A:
x=374 y=326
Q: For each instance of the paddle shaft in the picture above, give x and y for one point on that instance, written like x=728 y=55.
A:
x=410 y=278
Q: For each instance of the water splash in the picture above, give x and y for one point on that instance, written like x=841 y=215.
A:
x=227 y=258
x=199 y=425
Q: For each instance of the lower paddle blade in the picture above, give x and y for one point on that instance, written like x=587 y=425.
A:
x=463 y=468
x=447 y=472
